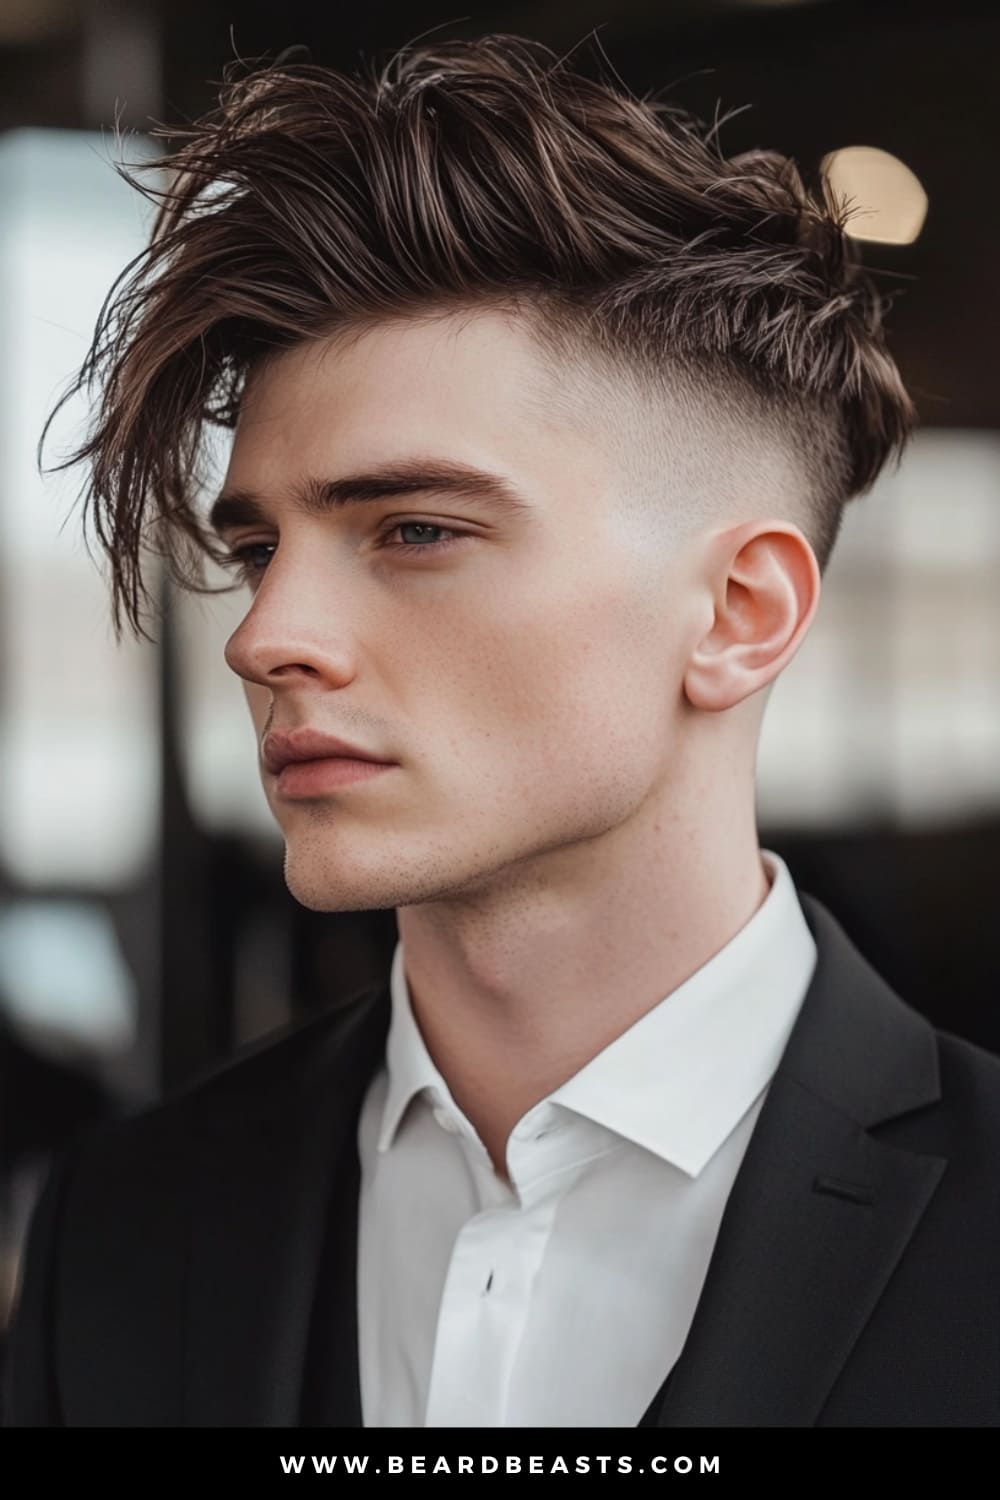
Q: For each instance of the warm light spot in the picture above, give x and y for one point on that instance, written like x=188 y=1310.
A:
x=889 y=205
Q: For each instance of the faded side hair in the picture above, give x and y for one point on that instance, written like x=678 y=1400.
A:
x=482 y=173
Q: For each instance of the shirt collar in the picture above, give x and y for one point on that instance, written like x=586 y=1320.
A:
x=680 y=1079
x=407 y=1060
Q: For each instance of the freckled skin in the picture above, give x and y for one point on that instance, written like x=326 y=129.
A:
x=567 y=836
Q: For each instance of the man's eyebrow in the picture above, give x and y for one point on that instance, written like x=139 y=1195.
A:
x=318 y=497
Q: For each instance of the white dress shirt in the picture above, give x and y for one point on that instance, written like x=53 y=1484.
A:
x=565 y=1298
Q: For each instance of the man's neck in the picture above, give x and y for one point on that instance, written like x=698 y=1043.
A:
x=515 y=993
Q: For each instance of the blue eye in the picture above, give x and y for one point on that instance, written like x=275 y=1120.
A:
x=422 y=546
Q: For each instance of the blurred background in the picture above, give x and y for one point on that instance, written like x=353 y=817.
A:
x=145 y=928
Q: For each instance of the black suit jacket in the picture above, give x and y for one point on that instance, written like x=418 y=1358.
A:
x=195 y=1264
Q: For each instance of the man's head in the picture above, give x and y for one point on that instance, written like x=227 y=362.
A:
x=478 y=260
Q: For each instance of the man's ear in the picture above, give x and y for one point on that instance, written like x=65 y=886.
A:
x=764 y=582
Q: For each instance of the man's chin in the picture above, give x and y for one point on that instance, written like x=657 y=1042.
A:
x=322 y=889
x=325 y=882
x=317 y=893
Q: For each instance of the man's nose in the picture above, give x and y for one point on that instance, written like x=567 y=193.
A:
x=271 y=645
x=262 y=663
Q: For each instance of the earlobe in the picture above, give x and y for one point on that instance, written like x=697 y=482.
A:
x=765 y=593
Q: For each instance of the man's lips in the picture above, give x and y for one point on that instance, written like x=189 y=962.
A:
x=281 y=747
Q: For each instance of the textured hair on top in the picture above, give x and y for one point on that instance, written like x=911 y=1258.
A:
x=465 y=174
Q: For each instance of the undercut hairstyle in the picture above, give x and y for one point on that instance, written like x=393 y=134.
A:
x=472 y=174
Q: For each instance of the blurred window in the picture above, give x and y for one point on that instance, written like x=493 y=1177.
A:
x=79 y=730
x=890 y=712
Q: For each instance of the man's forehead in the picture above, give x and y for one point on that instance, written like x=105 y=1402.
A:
x=471 y=387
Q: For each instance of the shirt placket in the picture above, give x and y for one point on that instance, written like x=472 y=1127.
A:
x=487 y=1297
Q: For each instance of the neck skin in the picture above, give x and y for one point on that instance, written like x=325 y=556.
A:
x=519 y=987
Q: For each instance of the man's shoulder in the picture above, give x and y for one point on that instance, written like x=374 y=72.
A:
x=261 y=1076
x=273 y=1056
x=869 y=1048
x=970 y=1078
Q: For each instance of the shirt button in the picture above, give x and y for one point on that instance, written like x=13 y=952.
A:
x=446 y=1122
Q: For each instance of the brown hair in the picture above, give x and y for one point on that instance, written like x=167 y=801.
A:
x=463 y=174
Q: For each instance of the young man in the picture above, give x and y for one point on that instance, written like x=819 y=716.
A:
x=545 y=417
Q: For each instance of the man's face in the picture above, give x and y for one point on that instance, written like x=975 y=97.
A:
x=526 y=680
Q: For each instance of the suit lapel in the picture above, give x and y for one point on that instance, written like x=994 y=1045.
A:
x=268 y=1171
x=821 y=1210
